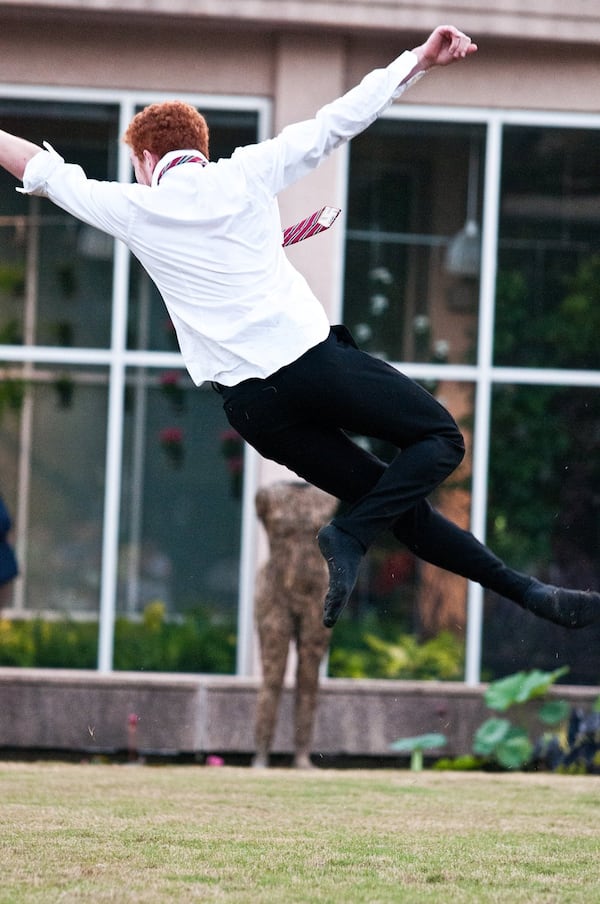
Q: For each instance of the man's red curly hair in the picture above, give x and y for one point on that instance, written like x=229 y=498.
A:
x=168 y=126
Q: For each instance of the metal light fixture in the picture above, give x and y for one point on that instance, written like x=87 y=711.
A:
x=464 y=249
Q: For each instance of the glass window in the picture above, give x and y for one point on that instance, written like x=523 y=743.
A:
x=413 y=240
x=411 y=294
x=179 y=542
x=407 y=618
x=182 y=492
x=547 y=310
x=544 y=519
x=55 y=272
x=56 y=441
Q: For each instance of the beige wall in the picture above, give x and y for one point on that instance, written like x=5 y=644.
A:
x=533 y=53
x=199 y=57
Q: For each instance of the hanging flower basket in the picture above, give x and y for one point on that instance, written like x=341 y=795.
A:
x=171 y=441
x=232 y=449
x=64 y=387
x=171 y=388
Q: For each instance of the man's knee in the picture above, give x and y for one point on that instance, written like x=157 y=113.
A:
x=454 y=445
x=458 y=447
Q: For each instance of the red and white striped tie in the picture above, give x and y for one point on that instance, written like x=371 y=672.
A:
x=317 y=222
x=177 y=161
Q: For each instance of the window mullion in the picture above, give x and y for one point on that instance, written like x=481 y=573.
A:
x=114 y=439
x=482 y=414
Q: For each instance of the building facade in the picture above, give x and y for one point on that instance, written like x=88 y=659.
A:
x=465 y=254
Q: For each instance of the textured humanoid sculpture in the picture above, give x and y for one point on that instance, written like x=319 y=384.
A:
x=289 y=606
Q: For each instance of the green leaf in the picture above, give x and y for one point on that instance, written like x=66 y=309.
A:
x=554 y=711
x=515 y=750
x=422 y=742
x=520 y=687
x=489 y=735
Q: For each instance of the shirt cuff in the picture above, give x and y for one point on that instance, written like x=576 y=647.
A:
x=401 y=67
x=39 y=169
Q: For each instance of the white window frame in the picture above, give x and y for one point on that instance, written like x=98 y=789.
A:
x=117 y=358
x=484 y=375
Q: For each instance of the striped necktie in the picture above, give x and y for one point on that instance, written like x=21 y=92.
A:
x=318 y=221
x=177 y=161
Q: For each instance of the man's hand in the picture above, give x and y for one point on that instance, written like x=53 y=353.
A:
x=445 y=45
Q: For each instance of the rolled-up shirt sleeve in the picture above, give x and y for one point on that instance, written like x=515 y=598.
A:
x=38 y=169
x=104 y=205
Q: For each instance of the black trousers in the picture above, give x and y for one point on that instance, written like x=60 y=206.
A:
x=301 y=415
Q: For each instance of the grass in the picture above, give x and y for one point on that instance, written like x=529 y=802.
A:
x=158 y=834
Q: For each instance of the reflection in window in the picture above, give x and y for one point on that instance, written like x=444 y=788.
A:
x=55 y=272
x=58 y=436
x=547 y=311
x=412 y=254
x=544 y=519
x=182 y=488
x=182 y=470
x=407 y=618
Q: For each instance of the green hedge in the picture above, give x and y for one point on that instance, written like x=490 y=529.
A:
x=198 y=644
x=358 y=651
x=195 y=644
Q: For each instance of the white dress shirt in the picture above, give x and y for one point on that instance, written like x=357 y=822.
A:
x=210 y=236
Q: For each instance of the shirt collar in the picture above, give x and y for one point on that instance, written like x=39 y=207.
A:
x=167 y=161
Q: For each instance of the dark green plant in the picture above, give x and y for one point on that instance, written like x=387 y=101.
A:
x=360 y=653
x=507 y=743
x=67 y=280
x=11 y=332
x=194 y=644
x=64 y=333
x=12 y=393
x=37 y=643
x=154 y=643
x=532 y=479
x=576 y=749
x=467 y=762
x=64 y=387
x=12 y=279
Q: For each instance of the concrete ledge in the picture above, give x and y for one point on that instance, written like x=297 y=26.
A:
x=88 y=712
x=575 y=22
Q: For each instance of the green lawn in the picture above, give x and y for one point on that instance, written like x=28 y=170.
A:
x=158 y=834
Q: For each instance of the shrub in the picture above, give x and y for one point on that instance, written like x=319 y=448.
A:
x=154 y=643
x=368 y=655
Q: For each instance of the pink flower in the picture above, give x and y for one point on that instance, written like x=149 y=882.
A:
x=170 y=386
x=231 y=443
x=170 y=378
x=232 y=450
x=171 y=436
x=213 y=760
x=235 y=464
x=171 y=440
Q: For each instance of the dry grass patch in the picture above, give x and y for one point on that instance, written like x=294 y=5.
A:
x=151 y=835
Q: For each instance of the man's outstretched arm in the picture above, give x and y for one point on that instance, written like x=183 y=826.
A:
x=15 y=153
